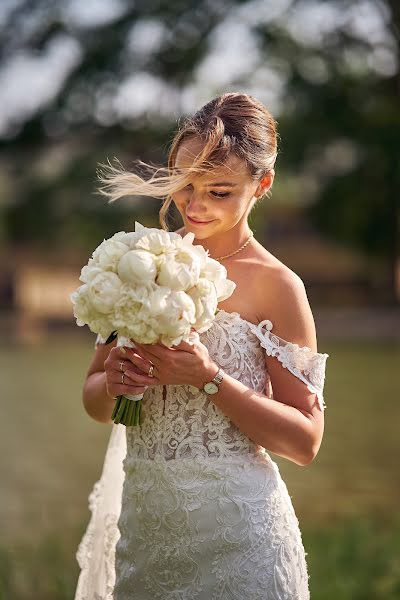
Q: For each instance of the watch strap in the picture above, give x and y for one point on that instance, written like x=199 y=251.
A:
x=216 y=379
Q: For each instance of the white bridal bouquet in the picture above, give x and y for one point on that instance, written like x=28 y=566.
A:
x=149 y=286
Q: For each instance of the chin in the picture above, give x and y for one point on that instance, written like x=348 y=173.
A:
x=199 y=234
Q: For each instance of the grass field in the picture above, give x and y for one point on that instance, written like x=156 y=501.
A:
x=346 y=499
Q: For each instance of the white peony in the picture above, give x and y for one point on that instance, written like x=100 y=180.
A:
x=224 y=288
x=107 y=255
x=179 y=270
x=129 y=238
x=131 y=306
x=142 y=332
x=158 y=241
x=86 y=314
x=205 y=300
x=158 y=300
x=101 y=325
x=198 y=250
x=81 y=305
x=217 y=273
x=177 y=320
x=104 y=291
x=137 y=267
x=89 y=271
x=213 y=270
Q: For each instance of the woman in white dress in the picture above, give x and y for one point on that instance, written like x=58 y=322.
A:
x=190 y=505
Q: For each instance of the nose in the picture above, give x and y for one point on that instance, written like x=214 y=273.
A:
x=196 y=205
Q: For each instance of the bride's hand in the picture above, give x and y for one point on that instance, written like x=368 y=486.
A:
x=183 y=364
x=135 y=378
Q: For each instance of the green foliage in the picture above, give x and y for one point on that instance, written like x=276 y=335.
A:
x=47 y=570
x=354 y=559
x=332 y=107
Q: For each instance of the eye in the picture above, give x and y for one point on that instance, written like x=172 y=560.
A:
x=216 y=194
x=220 y=194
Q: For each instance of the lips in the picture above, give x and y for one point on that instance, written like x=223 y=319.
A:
x=199 y=221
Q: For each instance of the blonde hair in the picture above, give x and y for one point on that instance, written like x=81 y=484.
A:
x=231 y=123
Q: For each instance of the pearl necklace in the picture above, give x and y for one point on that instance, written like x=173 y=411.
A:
x=236 y=251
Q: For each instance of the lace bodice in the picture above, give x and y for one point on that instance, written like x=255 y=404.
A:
x=180 y=421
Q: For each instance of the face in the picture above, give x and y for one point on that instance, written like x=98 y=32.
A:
x=219 y=200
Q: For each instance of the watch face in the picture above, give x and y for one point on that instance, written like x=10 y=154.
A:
x=211 y=388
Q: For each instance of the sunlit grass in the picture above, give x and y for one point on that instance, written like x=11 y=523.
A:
x=354 y=559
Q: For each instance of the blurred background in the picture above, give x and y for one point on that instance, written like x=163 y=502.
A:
x=84 y=82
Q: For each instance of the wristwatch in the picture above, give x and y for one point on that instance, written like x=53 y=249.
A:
x=212 y=387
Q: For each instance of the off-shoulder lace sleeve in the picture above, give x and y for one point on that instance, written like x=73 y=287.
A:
x=301 y=361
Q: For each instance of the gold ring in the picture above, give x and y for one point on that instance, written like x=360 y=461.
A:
x=151 y=370
x=121 y=364
x=122 y=378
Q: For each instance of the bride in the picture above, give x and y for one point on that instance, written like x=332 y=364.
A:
x=190 y=504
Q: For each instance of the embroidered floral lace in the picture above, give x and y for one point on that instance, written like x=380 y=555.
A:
x=187 y=505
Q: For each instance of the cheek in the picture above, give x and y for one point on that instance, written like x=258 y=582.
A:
x=234 y=207
x=179 y=199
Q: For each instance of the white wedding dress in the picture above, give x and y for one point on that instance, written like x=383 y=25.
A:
x=187 y=506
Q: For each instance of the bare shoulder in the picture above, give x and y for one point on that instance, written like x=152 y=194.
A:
x=282 y=298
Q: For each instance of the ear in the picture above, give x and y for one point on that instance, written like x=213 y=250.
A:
x=265 y=184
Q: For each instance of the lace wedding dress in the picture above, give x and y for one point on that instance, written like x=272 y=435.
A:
x=187 y=506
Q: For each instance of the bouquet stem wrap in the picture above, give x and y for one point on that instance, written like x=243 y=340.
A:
x=127 y=410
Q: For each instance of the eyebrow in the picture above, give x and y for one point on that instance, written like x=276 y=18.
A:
x=223 y=184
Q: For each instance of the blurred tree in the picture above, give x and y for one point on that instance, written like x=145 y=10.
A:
x=112 y=78
x=165 y=39
x=344 y=131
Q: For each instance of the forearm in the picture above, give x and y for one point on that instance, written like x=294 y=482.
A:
x=278 y=427
x=98 y=404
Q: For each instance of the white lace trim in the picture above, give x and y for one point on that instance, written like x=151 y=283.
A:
x=301 y=361
x=96 y=551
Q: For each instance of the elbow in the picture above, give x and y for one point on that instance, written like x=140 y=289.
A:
x=309 y=454
x=306 y=460
x=308 y=451
x=311 y=442
x=302 y=457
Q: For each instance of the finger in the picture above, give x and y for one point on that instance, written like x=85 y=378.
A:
x=119 y=353
x=120 y=364
x=133 y=378
x=141 y=378
x=129 y=386
x=141 y=363
x=151 y=351
x=186 y=347
x=125 y=390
